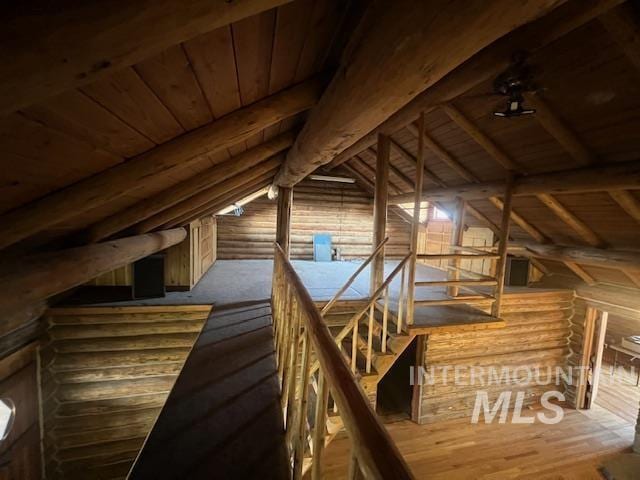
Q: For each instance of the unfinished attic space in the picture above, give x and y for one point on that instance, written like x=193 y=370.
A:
x=320 y=240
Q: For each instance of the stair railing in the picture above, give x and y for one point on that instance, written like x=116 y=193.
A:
x=296 y=317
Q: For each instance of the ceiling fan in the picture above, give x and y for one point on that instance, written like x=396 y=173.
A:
x=512 y=83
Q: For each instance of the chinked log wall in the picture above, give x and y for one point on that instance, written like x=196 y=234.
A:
x=341 y=209
x=536 y=336
x=106 y=372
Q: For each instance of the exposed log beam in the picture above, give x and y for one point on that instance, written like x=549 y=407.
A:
x=445 y=156
x=481 y=138
x=581 y=228
x=180 y=152
x=598 y=178
x=487 y=64
x=183 y=190
x=412 y=44
x=590 y=256
x=536 y=234
x=48 y=48
x=628 y=202
x=206 y=196
x=28 y=280
x=412 y=159
x=558 y=129
x=622 y=25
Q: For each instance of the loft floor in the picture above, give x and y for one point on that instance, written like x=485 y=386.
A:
x=233 y=281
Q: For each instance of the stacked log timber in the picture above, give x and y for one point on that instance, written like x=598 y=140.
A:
x=106 y=373
x=341 y=209
x=535 y=336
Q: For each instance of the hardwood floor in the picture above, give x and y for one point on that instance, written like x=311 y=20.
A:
x=571 y=450
x=619 y=394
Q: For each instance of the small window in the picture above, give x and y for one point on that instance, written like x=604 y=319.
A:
x=439 y=214
x=7 y=415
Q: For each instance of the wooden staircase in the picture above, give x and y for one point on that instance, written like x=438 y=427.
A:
x=381 y=361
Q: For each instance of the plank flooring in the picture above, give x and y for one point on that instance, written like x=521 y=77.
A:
x=619 y=394
x=570 y=450
x=225 y=398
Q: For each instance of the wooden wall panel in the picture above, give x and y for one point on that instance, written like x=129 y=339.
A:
x=20 y=456
x=536 y=335
x=343 y=210
x=106 y=372
x=185 y=263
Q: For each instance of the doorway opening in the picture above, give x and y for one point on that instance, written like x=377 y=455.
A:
x=395 y=392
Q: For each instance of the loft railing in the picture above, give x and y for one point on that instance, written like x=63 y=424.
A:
x=301 y=336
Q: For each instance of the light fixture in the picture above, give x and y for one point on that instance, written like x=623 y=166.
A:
x=272 y=192
x=512 y=83
x=327 y=178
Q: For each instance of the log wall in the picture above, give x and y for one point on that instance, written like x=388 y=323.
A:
x=106 y=372
x=341 y=209
x=536 y=335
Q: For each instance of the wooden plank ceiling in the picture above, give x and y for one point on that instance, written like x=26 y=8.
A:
x=588 y=113
x=590 y=84
x=82 y=132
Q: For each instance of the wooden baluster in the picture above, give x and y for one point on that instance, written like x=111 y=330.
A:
x=372 y=312
x=303 y=388
x=354 y=346
x=285 y=330
x=385 y=321
x=401 y=300
x=320 y=426
x=288 y=399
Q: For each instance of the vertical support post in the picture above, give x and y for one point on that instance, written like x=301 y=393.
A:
x=403 y=282
x=415 y=226
x=381 y=197
x=588 y=331
x=283 y=219
x=597 y=364
x=299 y=432
x=456 y=239
x=502 y=247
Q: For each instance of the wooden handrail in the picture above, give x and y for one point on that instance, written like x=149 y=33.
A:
x=353 y=277
x=376 y=454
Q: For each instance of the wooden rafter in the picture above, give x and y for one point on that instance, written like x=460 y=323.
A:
x=581 y=272
x=187 y=188
x=536 y=234
x=82 y=42
x=413 y=160
x=356 y=102
x=372 y=154
x=204 y=197
x=487 y=64
x=146 y=168
x=622 y=25
x=581 y=228
x=628 y=202
x=481 y=139
x=558 y=129
x=445 y=156
x=359 y=161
